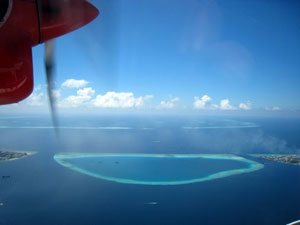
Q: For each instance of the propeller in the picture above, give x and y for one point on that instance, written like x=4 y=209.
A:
x=56 y=18
x=49 y=67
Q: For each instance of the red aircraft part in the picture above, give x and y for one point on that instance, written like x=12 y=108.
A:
x=26 y=24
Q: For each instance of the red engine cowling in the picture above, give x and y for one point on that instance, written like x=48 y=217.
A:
x=26 y=23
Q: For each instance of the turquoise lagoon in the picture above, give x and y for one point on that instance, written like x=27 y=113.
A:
x=157 y=169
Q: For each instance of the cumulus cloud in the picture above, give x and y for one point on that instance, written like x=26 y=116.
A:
x=146 y=97
x=56 y=93
x=169 y=104
x=72 y=83
x=35 y=99
x=82 y=97
x=225 y=105
x=119 y=100
x=86 y=92
x=245 y=106
x=203 y=103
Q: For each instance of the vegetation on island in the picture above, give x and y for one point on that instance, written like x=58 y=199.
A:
x=284 y=158
x=12 y=155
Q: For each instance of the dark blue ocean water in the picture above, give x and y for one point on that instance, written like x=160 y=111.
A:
x=42 y=192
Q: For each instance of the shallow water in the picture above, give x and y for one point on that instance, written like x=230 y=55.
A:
x=157 y=169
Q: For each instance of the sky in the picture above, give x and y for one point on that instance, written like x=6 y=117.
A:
x=177 y=56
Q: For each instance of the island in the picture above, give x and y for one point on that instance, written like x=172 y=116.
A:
x=283 y=158
x=157 y=169
x=13 y=155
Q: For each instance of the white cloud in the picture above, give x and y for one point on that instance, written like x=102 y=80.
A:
x=204 y=102
x=56 y=93
x=274 y=108
x=86 y=92
x=119 y=100
x=35 y=99
x=82 y=97
x=148 y=96
x=169 y=104
x=201 y=103
x=72 y=83
x=225 y=105
x=245 y=106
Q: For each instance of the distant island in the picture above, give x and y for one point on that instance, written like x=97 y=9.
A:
x=157 y=169
x=283 y=158
x=13 y=155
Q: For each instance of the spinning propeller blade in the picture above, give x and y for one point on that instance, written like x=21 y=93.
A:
x=49 y=67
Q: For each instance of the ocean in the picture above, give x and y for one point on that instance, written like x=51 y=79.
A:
x=40 y=191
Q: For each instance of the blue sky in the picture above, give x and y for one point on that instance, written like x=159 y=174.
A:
x=179 y=55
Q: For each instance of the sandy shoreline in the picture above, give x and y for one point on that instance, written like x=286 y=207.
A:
x=253 y=166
